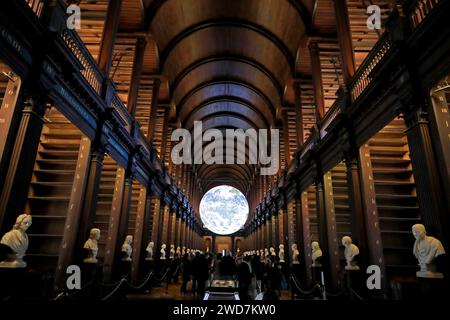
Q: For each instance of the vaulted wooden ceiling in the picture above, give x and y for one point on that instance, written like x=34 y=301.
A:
x=228 y=63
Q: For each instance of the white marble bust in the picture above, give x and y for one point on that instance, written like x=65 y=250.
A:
x=178 y=251
x=149 y=250
x=266 y=253
x=91 y=245
x=350 y=252
x=426 y=249
x=17 y=241
x=316 y=253
x=127 y=249
x=272 y=251
x=281 y=252
x=163 y=252
x=183 y=250
x=172 y=251
x=295 y=254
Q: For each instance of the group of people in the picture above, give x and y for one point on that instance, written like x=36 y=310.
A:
x=256 y=278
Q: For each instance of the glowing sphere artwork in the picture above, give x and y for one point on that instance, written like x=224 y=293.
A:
x=224 y=210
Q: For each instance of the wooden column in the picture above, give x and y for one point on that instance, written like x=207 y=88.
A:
x=156 y=215
x=177 y=231
x=305 y=251
x=287 y=151
x=375 y=249
x=269 y=232
x=298 y=113
x=164 y=137
x=432 y=205
x=74 y=215
x=261 y=237
x=345 y=39
x=114 y=224
x=92 y=185
x=153 y=110
x=182 y=233
x=109 y=36
x=20 y=170
x=139 y=240
x=280 y=229
x=162 y=227
x=172 y=224
x=327 y=227
x=136 y=75
x=355 y=197
x=317 y=79
x=275 y=230
x=440 y=122
x=7 y=111
x=125 y=209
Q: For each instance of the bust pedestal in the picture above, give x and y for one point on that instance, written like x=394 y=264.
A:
x=355 y=282
x=125 y=266
x=91 y=272
x=316 y=273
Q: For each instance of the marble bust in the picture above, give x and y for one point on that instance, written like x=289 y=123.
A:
x=91 y=245
x=266 y=253
x=426 y=249
x=183 y=250
x=178 y=252
x=350 y=252
x=272 y=251
x=17 y=241
x=281 y=252
x=127 y=249
x=149 y=250
x=295 y=254
x=316 y=254
x=172 y=251
x=163 y=252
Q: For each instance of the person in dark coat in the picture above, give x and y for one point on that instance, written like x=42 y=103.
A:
x=245 y=276
x=202 y=275
x=258 y=271
x=186 y=269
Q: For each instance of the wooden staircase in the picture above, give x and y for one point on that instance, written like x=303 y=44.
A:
x=50 y=189
x=396 y=197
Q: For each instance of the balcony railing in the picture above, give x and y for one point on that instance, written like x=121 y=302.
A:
x=125 y=117
x=36 y=6
x=362 y=77
x=419 y=9
x=90 y=70
x=332 y=113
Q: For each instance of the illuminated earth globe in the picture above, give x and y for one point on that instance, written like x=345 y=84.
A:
x=224 y=210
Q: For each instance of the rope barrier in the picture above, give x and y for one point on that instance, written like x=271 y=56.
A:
x=144 y=282
x=357 y=295
x=65 y=294
x=305 y=292
x=176 y=271
x=163 y=277
x=337 y=294
x=123 y=280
